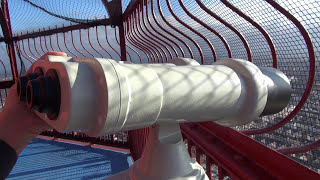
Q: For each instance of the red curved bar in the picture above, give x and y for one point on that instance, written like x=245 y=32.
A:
x=134 y=51
x=208 y=167
x=177 y=30
x=263 y=32
x=97 y=34
x=57 y=37
x=132 y=42
x=35 y=46
x=45 y=41
x=162 y=35
x=17 y=45
x=312 y=62
x=300 y=149
x=161 y=41
x=157 y=44
x=30 y=48
x=91 y=44
x=118 y=42
x=244 y=41
x=128 y=37
x=207 y=27
x=50 y=40
x=158 y=41
x=135 y=42
x=153 y=46
x=41 y=43
x=168 y=32
x=65 y=44
x=19 y=50
x=196 y=32
x=152 y=51
x=106 y=32
x=40 y=40
x=74 y=45
x=25 y=50
x=82 y=44
x=154 y=54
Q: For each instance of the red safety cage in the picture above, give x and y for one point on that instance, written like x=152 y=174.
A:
x=274 y=33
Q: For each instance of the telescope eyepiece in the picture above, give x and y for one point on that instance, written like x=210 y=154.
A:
x=43 y=94
x=23 y=81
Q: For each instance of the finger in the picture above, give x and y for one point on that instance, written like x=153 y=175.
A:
x=13 y=90
x=12 y=95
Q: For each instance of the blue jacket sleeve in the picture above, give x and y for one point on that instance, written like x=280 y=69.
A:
x=8 y=158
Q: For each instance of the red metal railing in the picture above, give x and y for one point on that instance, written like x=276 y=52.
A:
x=238 y=156
x=166 y=29
x=156 y=31
x=118 y=139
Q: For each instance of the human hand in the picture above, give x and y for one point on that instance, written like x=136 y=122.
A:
x=18 y=124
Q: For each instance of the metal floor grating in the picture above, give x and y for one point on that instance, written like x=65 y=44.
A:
x=47 y=159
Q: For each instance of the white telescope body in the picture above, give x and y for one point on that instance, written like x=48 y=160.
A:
x=103 y=96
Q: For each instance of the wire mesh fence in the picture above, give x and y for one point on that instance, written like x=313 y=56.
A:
x=207 y=31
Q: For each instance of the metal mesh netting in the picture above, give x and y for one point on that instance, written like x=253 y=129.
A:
x=161 y=29
x=170 y=18
x=293 y=60
x=30 y=15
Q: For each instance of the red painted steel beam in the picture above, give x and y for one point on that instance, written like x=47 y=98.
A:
x=237 y=166
x=118 y=42
x=6 y=84
x=114 y=9
x=241 y=156
x=61 y=30
x=122 y=38
x=130 y=8
x=7 y=33
x=136 y=52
